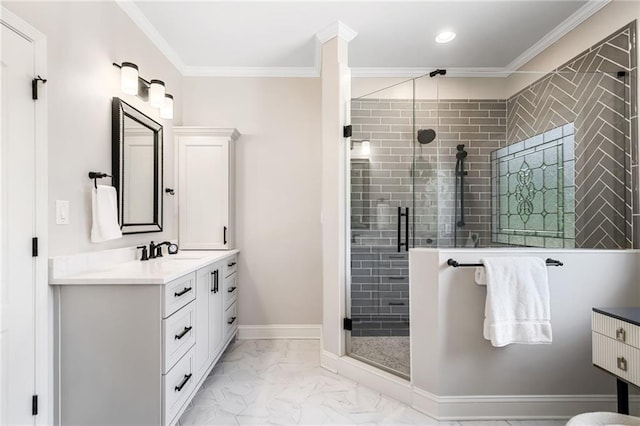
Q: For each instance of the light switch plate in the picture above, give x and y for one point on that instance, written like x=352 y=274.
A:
x=62 y=212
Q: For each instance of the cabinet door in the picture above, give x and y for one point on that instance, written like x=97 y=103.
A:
x=203 y=169
x=215 y=311
x=203 y=355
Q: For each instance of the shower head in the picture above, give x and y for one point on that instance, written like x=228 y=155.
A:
x=437 y=72
x=426 y=136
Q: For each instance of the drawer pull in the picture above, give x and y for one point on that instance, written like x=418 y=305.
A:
x=621 y=334
x=232 y=289
x=187 y=377
x=229 y=265
x=183 y=292
x=622 y=363
x=232 y=320
x=181 y=335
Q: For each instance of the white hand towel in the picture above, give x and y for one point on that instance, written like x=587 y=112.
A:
x=104 y=204
x=481 y=276
x=517 y=308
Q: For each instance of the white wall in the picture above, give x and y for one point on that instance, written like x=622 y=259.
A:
x=450 y=358
x=278 y=176
x=83 y=40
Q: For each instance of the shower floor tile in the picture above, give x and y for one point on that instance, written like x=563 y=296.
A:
x=389 y=351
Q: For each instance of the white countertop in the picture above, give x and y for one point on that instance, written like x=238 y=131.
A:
x=152 y=271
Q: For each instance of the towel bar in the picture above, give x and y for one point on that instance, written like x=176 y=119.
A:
x=97 y=175
x=455 y=264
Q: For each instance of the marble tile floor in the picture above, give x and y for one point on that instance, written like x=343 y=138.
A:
x=281 y=382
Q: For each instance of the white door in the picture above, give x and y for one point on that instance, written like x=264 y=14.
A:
x=22 y=280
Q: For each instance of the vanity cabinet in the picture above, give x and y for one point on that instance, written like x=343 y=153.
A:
x=206 y=187
x=209 y=323
x=135 y=351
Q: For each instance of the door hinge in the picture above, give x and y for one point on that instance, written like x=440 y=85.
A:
x=34 y=247
x=347 y=324
x=34 y=87
x=34 y=405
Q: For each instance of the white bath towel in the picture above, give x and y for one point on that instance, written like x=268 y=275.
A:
x=104 y=205
x=517 y=307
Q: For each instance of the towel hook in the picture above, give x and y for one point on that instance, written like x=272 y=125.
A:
x=97 y=175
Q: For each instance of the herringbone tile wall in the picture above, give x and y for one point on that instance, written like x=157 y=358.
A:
x=593 y=91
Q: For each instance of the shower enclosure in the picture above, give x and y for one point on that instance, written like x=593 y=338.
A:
x=472 y=161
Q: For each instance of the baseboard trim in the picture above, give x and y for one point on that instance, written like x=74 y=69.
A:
x=279 y=331
x=470 y=407
x=510 y=407
x=372 y=377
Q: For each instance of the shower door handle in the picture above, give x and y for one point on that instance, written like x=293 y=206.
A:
x=406 y=229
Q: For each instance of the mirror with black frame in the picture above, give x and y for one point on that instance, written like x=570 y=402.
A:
x=137 y=168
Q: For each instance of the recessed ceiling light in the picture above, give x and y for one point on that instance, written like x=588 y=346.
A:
x=445 y=37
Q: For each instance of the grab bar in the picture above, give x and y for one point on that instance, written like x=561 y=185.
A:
x=455 y=264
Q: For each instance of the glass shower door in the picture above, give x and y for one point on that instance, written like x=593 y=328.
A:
x=387 y=219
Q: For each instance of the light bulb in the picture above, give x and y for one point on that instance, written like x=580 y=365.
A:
x=129 y=78
x=166 y=111
x=156 y=93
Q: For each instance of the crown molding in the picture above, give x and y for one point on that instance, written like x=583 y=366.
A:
x=578 y=17
x=306 y=72
x=136 y=15
x=337 y=29
x=416 y=72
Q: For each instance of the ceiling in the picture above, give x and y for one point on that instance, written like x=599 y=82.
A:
x=393 y=37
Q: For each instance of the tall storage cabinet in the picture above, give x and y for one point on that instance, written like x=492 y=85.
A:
x=206 y=187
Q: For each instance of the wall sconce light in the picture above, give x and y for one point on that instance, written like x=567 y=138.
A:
x=167 y=109
x=153 y=91
x=129 y=78
x=365 y=148
x=156 y=93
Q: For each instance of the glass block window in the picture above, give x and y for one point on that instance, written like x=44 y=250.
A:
x=532 y=191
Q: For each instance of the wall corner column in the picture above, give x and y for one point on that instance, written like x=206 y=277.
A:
x=336 y=94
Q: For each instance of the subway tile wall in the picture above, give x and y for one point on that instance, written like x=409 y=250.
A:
x=402 y=174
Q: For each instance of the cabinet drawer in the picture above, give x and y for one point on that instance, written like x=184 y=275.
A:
x=616 y=329
x=178 y=293
x=230 y=321
x=230 y=265
x=230 y=291
x=179 y=335
x=177 y=385
x=616 y=357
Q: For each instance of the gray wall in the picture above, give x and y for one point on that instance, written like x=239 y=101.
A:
x=402 y=173
x=588 y=92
